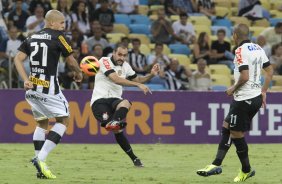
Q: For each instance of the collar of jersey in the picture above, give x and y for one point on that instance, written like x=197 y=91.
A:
x=243 y=42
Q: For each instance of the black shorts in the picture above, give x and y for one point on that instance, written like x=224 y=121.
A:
x=241 y=113
x=103 y=109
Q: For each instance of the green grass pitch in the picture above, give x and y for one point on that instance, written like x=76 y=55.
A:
x=164 y=164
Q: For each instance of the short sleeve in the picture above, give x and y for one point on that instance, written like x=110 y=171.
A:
x=65 y=45
x=130 y=73
x=265 y=61
x=24 y=47
x=106 y=66
x=241 y=58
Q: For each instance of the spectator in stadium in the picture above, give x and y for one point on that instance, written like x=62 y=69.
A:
x=8 y=48
x=249 y=96
x=18 y=16
x=62 y=6
x=136 y=59
x=161 y=29
x=105 y=16
x=183 y=30
x=42 y=89
x=176 y=76
x=67 y=74
x=201 y=79
x=80 y=19
x=206 y=7
x=187 y=6
x=202 y=48
x=170 y=8
x=221 y=50
x=93 y=5
x=273 y=35
x=96 y=38
x=261 y=41
x=126 y=7
x=97 y=51
x=159 y=57
x=35 y=22
x=125 y=41
x=107 y=105
x=46 y=4
x=276 y=58
x=252 y=9
x=76 y=40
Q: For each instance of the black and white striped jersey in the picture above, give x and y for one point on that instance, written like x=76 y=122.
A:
x=137 y=61
x=44 y=49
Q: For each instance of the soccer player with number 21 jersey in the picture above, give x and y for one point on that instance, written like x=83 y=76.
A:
x=43 y=93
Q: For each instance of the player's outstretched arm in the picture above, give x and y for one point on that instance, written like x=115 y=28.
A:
x=124 y=82
x=267 y=79
x=143 y=79
x=72 y=63
x=19 y=59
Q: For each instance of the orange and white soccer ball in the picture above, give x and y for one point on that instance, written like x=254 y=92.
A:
x=89 y=65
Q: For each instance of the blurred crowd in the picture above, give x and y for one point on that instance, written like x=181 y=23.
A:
x=186 y=37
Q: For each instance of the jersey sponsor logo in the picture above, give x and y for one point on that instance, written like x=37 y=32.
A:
x=42 y=36
x=39 y=82
x=238 y=55
x=106 y=63
x=65 y=43
x=36 y=97
x=37 y=70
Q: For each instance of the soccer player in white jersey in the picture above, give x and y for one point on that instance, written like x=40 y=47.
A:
x=107 y=104
x=249 y=97
x=43 y=92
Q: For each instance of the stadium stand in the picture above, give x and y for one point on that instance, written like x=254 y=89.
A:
x=122 y=19
x=139 y=19
x=220 y=69
x=219 y=79
x=121 y=28
x=140 y=28
x=179 y=49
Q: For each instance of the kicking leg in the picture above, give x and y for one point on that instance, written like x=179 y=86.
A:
x=124 y=144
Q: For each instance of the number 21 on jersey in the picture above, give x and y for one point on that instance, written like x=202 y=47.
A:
x=37 y=51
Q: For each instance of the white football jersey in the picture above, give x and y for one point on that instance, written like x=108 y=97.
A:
x=104 y=86
x=252 y=57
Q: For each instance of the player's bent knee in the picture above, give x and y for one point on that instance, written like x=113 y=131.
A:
x=124 y=103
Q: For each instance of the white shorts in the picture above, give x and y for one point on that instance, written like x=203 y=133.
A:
x=45 y=106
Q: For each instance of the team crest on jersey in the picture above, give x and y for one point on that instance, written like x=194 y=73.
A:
x=119 y=72
x=105 y=116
